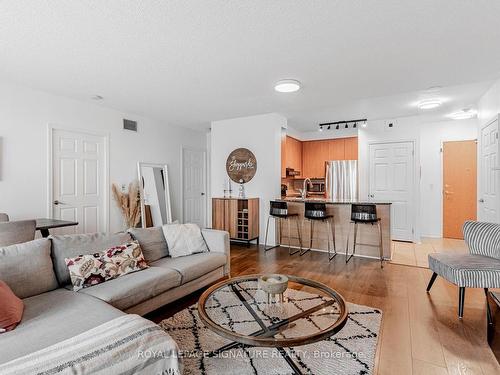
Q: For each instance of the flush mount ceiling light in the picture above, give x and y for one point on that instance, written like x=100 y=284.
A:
x=287 y=85
x=429 y=103
x=463 y=114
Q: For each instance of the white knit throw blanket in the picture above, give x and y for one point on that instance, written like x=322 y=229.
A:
x=125 y=345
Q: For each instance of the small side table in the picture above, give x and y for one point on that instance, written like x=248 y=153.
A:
x=493 y=318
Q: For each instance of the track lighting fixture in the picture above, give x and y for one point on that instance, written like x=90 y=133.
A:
x=337 y=124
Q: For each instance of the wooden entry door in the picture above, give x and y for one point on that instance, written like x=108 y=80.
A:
x=459 y=186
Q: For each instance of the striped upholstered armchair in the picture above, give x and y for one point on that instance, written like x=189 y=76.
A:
x=478 y=269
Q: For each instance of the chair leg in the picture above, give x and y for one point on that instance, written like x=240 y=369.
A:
x=330 y=257
x=302 y=252
x=488 y=311
x=290 y=252
x=461 y=300
x=431 y=281
x=354 y=243
x=280 y=221
x=333 y=235
x=299 y=231
x=347 y=244
x=381 y=245
x=265 y=238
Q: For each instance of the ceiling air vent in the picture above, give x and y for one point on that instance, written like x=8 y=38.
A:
x=129 y=125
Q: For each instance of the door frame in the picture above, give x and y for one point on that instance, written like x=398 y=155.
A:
x=205 y=181
x=415 y=186
x=51 y=128
x=480 y=161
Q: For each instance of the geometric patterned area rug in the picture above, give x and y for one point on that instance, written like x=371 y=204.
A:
x=350 y=351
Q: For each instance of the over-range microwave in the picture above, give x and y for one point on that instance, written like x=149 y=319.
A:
x=317 y=186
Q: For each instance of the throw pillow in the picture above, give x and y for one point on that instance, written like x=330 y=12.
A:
x=152 y=242
x=184 y=239
x=27 y=268
x=11 y=308
x=92 y=269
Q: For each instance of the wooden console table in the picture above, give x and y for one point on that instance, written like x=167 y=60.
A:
x=239 y=217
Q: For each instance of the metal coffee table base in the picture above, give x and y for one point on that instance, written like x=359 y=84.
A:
x=272 y=330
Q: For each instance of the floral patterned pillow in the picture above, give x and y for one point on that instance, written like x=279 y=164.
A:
x=93 y=269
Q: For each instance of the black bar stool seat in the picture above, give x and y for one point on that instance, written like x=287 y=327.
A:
x=314 y=212
x=278 y=210
x=364 y=214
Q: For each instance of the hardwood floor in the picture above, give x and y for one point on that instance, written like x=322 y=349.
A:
x=415 y=254
x=420 y=334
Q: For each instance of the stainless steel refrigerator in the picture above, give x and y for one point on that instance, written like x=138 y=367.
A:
x=341 y=183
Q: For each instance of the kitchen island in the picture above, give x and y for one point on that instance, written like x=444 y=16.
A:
x=368 y=237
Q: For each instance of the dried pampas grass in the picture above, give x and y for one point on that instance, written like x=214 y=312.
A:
x=129 y=203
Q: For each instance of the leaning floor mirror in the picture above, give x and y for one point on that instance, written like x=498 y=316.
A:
x=155 y=194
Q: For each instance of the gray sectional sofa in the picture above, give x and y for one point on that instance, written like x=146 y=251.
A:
x=37 y=273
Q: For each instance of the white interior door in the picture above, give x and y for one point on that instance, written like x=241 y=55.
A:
x=489 y=174
x=391 y=180
x=78 y=180
x=194 y=186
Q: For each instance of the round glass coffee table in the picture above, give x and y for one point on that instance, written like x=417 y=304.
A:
x=238 y=310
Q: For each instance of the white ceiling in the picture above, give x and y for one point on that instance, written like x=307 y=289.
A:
x=189 y=62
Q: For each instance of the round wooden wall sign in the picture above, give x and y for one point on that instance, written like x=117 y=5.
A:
x=241 y=165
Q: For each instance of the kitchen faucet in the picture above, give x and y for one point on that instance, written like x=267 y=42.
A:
x=303 y=191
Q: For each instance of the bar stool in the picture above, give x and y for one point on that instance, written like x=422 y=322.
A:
x=364 y=214
x=278 y=210
x=317 y=212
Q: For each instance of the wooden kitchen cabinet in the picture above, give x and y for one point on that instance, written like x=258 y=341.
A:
x=316 y=153
x=336 y=148
x=239 y=217
x=351 y=148
x=291 y=155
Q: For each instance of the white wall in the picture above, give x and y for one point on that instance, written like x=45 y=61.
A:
x=24 y=117
x=262 y=135
x=325 y=134
x=489 y=104
x=428 y=138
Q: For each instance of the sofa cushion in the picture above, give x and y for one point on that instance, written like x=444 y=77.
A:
x=53 y=317
x=467 y=270
x=152 y=241
x=184 y=239
x=193 y=266
x=92 y=269
x=27 y=268
x=11 y=308
x=132 y=289
x=70 y=246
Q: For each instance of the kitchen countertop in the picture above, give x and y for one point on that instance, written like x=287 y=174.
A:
x=327 y=201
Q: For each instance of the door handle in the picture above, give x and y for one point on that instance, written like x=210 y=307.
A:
x=56 y=202
x=202 y=193
x=481 y=200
